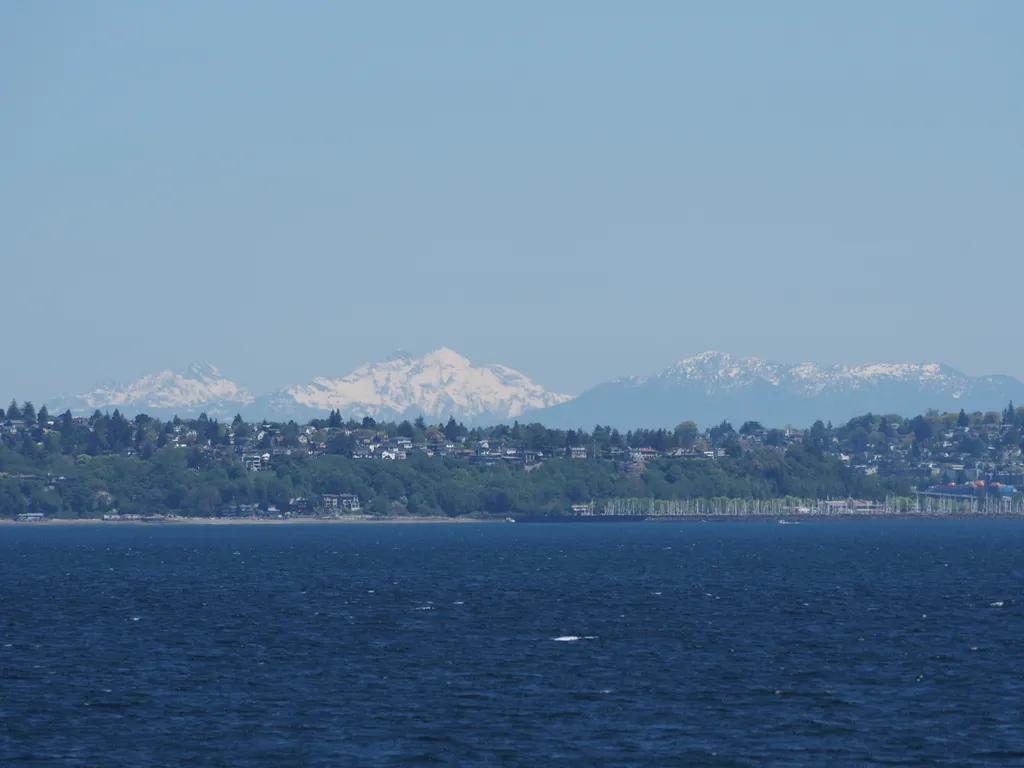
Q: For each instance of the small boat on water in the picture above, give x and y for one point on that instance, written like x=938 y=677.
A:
x=510 y=519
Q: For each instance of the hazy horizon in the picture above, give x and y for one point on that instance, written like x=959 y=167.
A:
x=257 y=392
x=579 y=192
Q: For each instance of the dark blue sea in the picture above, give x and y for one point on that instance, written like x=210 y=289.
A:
x=728 y=644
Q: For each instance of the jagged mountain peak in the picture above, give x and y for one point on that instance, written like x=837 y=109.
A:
x=708 y=355
x=202 y=370
x=446 y=356
x=439 y=384
x=715 y=385
x=714 y=367
x=198 y=387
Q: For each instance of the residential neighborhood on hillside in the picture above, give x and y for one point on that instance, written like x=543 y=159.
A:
x=956 y=455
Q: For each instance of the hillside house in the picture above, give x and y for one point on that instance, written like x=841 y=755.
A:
x=340 y=502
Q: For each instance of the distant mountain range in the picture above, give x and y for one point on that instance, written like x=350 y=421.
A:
x=198 y=388
x=714 y=386
x=707 y=388
x=437 y=385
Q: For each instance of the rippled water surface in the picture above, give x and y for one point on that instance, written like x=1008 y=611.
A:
x=855 y=643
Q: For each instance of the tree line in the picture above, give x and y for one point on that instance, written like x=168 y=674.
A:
x=66 y=467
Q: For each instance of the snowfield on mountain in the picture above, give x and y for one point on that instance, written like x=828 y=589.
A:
x=706 y=388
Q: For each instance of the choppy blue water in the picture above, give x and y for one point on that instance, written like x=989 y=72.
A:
x=854 y=643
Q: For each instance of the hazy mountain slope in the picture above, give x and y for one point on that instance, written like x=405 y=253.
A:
x=707 y=388
x=438 y=385
x=714 y=386
x=198 y=388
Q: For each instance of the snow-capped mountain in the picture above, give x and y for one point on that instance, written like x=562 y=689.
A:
x=198 y=388
x=714 y=386
x=438 y=385
x=707 y=388
x=719 y=372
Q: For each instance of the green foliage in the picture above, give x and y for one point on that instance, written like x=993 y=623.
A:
x=88 y=467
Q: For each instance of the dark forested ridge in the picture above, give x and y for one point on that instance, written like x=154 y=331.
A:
x=75 y=467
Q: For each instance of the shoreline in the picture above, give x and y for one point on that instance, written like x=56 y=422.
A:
x=250 y=521
x=531 y=520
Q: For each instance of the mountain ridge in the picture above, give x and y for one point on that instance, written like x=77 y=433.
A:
x=709 y=387
x=439 y=384
x=200 y=385
x=714 y=386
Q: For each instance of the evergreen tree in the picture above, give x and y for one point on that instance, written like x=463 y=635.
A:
x=420 y=424
x=722 y=432
x=1010 y=414
x=335 y=422
x=820 y=434
x=963 y=420
x=451 y=429
x=43 y=417
x=28 y=412
x=13 y=411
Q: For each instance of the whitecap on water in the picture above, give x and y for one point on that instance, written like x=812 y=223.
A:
x=997 y=604
x=573 y=638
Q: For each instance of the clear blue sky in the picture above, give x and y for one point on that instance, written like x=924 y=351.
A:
x=580 y=190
